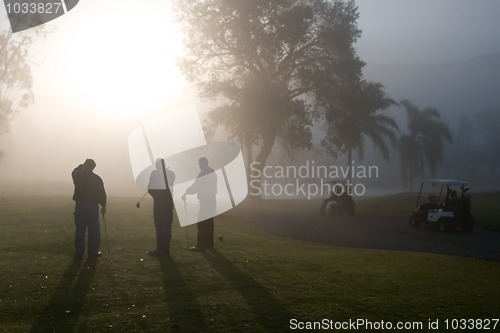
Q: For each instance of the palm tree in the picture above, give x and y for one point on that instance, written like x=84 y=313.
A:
x=357 y=117
x=424 y=143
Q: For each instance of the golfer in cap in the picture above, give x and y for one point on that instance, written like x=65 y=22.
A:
x=89 y=194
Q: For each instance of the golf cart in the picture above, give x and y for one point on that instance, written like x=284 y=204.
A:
x=448 y=210
x=337 y=198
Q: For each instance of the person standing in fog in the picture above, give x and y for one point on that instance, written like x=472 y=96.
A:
x=163 y=207
x=205 y=186
x=88 y=195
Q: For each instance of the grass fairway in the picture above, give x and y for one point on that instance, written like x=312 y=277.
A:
x=253 y=282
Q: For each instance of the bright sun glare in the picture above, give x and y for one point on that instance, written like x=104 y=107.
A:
x=120 y=60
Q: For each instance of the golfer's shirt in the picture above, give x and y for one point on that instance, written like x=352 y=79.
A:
x=89 y=187
x=157 y=188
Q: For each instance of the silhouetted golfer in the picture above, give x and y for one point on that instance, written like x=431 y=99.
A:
x=163 y=207
x=89 y=194
x=205 y=186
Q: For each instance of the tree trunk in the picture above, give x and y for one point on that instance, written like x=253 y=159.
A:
x=410 y=174
x=247 y=145
x=260 y=162
x=349 y=163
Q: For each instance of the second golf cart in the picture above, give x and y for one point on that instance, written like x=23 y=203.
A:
x=448 y=210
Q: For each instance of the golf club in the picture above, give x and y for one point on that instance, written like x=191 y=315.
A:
x=187 y=226
x=105 y=232
x=138 y=204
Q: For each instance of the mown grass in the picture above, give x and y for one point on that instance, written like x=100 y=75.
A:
x=252 y=282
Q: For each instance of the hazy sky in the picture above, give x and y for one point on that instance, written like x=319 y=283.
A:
x=81 y=92
x=427 y=31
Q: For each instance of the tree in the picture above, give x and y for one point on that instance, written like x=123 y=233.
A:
x=15 y=74
x=424 y=143
x=355 y=116
x=266 y=63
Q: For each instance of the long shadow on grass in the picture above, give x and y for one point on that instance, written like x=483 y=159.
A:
x=270 y=313
x=63 y=311
x=184 y=312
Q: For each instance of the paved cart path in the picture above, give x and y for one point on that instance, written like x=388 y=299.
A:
x=375 y=232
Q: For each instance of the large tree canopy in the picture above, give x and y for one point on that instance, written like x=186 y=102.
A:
x=267 y=64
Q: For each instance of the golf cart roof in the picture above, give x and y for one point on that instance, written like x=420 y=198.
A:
x=449 y=182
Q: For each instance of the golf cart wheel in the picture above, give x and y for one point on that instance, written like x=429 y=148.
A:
x=413 y=221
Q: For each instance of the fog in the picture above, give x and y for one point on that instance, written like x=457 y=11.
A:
x=427 y=31
x=67 y=125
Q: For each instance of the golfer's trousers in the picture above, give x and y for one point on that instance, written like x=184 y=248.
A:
x=87 y=219
x=205 y=237
x=163 y=214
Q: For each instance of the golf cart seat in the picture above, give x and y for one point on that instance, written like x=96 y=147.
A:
x=431 y=205
x=424 y=208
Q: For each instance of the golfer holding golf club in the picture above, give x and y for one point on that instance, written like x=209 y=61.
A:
x=89 y=194
x=205 y=186
x=160 y=184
